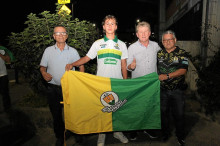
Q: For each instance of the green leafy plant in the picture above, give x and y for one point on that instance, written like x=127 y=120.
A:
x=209 y=85
x=29 y=45
x=209 y=80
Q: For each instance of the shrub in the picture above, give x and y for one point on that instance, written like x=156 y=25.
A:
x=209 y=85
x=29 y=45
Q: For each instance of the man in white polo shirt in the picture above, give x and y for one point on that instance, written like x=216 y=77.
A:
x=111 y=56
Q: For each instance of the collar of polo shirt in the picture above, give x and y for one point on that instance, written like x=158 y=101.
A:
x=115 y=39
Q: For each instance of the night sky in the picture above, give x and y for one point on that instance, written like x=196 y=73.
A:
x=126 y=11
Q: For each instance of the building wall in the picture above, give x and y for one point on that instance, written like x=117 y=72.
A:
x=182 y=17
x=174 y=7
x=177 y=9
x=193 y=47
x=213 y=27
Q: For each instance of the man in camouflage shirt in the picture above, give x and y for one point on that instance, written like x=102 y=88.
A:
x=172 y=66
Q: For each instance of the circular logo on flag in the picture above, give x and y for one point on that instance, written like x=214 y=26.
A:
x=109 y=98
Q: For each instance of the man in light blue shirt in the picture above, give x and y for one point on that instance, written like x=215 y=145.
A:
x=142 y=59
x=142 y=55
x=52 y=68
x=55 y=60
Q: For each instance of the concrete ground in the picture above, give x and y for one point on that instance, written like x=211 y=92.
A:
x=26 y=126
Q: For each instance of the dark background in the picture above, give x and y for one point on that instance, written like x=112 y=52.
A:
x=14 y=14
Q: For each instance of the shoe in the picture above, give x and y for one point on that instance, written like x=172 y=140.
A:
x=181 y=141
x=59 y=142
x=151 y=134
x=133 y=136
x=165 y=138
x=120 y=136
x=101 y=140
x=68 y=134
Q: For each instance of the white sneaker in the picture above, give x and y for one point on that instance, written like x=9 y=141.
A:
x=101 y=140
x=120 y=136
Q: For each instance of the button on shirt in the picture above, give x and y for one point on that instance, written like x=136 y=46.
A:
x=146 y=58
x=55 y=61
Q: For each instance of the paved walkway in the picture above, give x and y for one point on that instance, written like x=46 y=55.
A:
x=32 y=127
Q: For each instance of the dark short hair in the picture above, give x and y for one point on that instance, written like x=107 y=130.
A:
x=109 y=17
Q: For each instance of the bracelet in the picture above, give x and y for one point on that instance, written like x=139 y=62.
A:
x=168 y=76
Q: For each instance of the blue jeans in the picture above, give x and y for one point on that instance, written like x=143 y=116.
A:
x=172 y=101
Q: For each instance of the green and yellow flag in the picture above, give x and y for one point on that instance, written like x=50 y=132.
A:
x=94 y=104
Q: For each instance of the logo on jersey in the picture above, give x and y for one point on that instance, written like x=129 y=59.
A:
x=161 y=59
x=117 y=47
x=175 y=60
x=110 y=61
x=103 y=45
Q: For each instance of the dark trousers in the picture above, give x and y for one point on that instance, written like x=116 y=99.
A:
x=172 y=101
x=54 y=96
x=4 y=90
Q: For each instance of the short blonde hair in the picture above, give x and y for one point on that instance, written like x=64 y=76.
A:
x=143 y=24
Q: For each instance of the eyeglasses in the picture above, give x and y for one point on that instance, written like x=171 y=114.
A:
x=168 y=40
x=60 y=33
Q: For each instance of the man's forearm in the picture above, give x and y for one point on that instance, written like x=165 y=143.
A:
x=81 y=68
x=81 y=61
x=124 y=69
x=124 y=73
x=43 y=69
x=177 y=73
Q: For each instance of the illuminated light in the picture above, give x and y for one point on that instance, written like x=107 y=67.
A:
x=63 y=1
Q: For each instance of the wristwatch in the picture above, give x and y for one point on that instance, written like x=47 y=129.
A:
x=168 y=76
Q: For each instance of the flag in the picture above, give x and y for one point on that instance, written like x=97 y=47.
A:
x=94 y=104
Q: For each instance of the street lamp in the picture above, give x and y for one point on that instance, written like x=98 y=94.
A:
x=137 y=21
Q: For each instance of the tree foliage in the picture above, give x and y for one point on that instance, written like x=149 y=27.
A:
x=209 y=85
x=29 y=45
x=209 y=79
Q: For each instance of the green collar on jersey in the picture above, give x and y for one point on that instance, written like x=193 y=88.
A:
x=115 y=39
